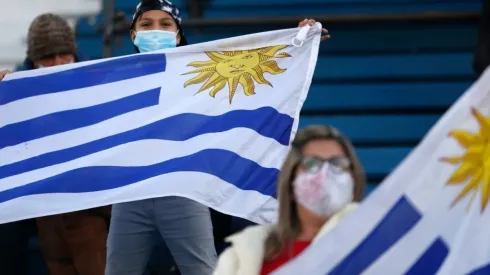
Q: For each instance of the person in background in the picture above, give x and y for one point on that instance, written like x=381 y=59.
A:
x=319 y=184
x=72 y=243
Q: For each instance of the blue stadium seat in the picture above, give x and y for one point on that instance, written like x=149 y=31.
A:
x=380 y=161
x=384 y=96
x=414 y=37
x=130 y=5
x=232 y=8
x=365 y=39
x=371 y=38
x=397 y=66
x=377 y=130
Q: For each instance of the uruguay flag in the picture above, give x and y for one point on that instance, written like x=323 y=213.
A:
x=430 y=216
x=211 y=122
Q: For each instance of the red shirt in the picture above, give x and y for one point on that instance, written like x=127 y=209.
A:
x=289 y=253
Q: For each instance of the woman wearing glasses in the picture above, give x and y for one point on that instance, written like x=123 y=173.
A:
x=320 y=182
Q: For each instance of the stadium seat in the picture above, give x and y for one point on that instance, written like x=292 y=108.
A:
x=365 y=97
x=130 y=5
x=231 y=8
x=347 y=39
x=377 y=130
x=388 y=66
x=380 y=161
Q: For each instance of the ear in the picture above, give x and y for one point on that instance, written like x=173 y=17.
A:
x=132 y=33
x=178 y=39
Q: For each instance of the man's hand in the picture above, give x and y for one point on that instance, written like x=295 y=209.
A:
x=312 y=22
x=3 y=74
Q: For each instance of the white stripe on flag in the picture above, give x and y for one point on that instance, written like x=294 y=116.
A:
x=112 y=126
x=267 y=152
x=226 y=197
x=37 y=106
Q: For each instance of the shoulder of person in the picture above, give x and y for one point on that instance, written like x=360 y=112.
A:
x=246 y=252
x=335 y=219
x=227 y=262
x=251 y=232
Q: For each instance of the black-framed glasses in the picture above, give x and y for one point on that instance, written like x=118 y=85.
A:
x=314 y=164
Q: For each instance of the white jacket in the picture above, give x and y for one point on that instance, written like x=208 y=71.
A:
x=245 y=256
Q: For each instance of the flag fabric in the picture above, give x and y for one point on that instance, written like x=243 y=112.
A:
x=211 y=122
x=430 y=216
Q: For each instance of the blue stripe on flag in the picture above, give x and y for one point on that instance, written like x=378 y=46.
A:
x=484 y=270
x=432 y=259
x=266 y=121
x=73 y=119
x=396 y=223
x=226 y=165
x=82 y=77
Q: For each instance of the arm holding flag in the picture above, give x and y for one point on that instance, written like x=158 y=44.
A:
x=312 y=22
x=3 y=74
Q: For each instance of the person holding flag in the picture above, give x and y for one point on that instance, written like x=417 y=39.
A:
x=184 y=224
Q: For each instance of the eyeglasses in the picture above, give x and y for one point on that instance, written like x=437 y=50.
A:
x=314 y=164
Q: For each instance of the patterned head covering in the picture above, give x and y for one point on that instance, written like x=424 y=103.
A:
x=164 y=5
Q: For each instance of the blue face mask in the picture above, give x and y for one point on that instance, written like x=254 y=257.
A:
x=153 y=40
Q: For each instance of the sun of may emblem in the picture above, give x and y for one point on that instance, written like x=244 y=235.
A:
x=474 y=169
x=236 y=67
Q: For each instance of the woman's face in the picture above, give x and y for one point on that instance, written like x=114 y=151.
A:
x=155 y=20
x=314 y=203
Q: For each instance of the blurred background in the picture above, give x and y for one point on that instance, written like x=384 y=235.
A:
x=389 y=71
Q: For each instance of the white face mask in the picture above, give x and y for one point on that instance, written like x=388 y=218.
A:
x=324 y=192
